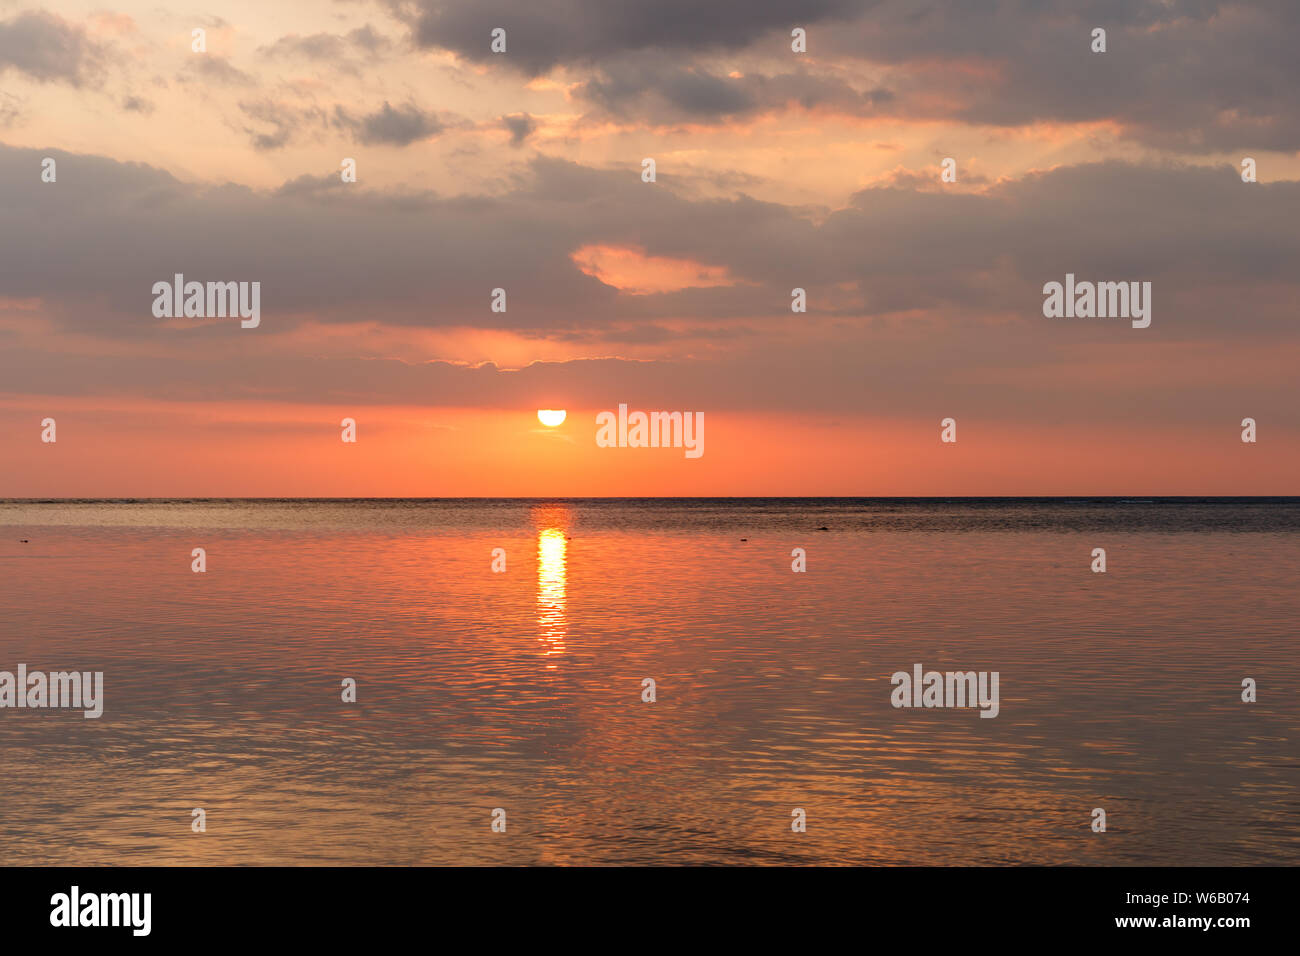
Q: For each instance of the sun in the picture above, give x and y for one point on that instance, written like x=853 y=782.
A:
x=550 y=417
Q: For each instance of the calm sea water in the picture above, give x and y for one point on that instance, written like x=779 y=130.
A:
x=522 y=689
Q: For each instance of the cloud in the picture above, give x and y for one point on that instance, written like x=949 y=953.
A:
x=549 y=33
x=330 y=47
x=137 y=104
x=653 y=87
x=388 y=125
x=520 y=125
x=214 y=69
x=918 y=301
x=285 y=120
x=309 y=185
x=49 y=49
x=1181 y=75
x=399 y=126
x=10 y=109
x=92 y=247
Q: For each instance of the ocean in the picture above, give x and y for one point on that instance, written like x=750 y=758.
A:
x=522 y=690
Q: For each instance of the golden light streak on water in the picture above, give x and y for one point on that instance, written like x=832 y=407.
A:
x=552 y=625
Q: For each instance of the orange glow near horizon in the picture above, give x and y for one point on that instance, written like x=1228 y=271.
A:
x=271 y=450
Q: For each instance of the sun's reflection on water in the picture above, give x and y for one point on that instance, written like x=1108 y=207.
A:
x=552 y=625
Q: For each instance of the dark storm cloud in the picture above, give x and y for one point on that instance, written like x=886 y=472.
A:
x=48 y=48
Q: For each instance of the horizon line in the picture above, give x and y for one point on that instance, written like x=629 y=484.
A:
x=1131 y=498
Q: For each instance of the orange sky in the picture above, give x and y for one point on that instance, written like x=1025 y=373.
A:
x=435 y=452
x=776 y=170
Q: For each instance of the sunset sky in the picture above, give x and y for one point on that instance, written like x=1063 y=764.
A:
x=522 y=171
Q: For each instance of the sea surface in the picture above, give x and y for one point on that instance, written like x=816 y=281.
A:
x=522 y=689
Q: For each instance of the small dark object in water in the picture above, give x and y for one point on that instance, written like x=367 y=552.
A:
x=744 y=539
x=24 y=540
x=823 y=528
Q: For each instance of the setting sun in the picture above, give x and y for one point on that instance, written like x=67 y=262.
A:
x=551 y=417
